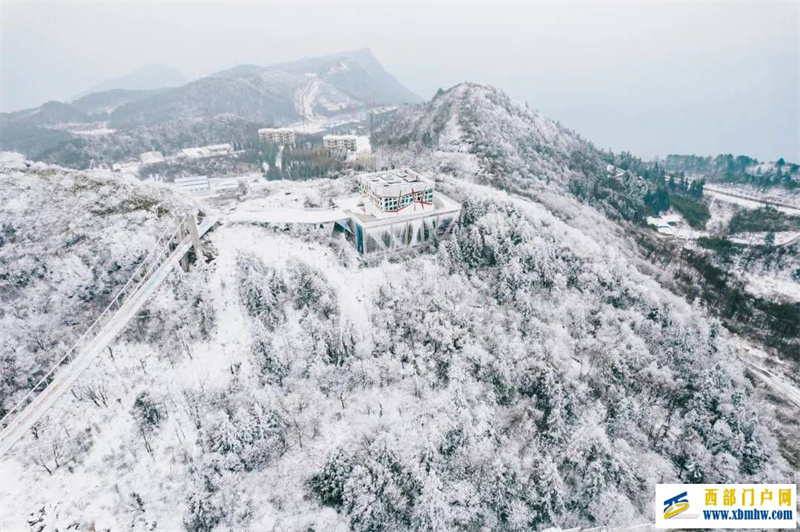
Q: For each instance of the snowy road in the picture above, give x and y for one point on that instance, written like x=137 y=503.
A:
x=749 y=201
x=304 y=101
x=288 y=215
x=756 y=359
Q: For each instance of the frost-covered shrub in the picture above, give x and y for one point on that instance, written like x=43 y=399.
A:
x=311 y=290
x=244 y=435
x=373 y=487
x=262 y=290
x=147 y=411
x=332 y=340
x=329 y=483
x=205 y=507
x=273 y=367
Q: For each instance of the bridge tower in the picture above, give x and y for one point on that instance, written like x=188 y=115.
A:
x=188 y=227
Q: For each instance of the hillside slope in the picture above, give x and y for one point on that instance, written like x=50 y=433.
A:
x=358 y=74
x=524 y=374
x=107 y=101
x=478 y=131
x=266 y=96
x=352 y=80
x=69 y=241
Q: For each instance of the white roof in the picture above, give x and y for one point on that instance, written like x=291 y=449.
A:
x=394 y=183
x=193 y=152
x=223 y=183
x=196 y=181
x=276 y=130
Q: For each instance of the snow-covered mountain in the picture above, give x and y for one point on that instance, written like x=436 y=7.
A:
x=534 y=370
x=97 y=103
x=336 y=85
x=479 y=131
x=530 y=372
x=267 y=96
x=346 y=81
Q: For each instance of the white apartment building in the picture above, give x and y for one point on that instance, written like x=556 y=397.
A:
x=340 y=142
x=280 y=136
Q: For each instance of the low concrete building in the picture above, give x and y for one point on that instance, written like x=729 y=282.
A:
x=201 y=185
x=664 y=224
x=214 y=150
x=195 y=185
x=280 y=136
x=224 y=186
x=151 y=157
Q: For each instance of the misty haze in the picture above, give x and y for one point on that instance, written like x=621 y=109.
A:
x=399 y=266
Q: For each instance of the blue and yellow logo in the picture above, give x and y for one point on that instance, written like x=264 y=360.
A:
x=675 y=505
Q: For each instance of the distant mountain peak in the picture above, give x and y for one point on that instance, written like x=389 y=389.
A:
x=148 y=77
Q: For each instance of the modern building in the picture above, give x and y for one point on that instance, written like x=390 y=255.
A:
x=280 y=136
x=397 y=210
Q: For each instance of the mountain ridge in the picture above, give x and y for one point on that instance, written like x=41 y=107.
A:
x=148 y=77
x=510 y=145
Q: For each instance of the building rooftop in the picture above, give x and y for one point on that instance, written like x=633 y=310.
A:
x=395 y=183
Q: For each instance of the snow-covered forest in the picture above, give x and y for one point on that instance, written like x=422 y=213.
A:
x=525 y=374
x=541 y=367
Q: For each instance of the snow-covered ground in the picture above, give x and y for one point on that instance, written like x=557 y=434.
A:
x=94 y=132
x=287 y=215
x=137 y=366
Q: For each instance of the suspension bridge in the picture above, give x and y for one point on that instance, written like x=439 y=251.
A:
x=171 y=249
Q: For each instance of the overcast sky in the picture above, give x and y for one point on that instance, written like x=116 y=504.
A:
x=649 y=77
